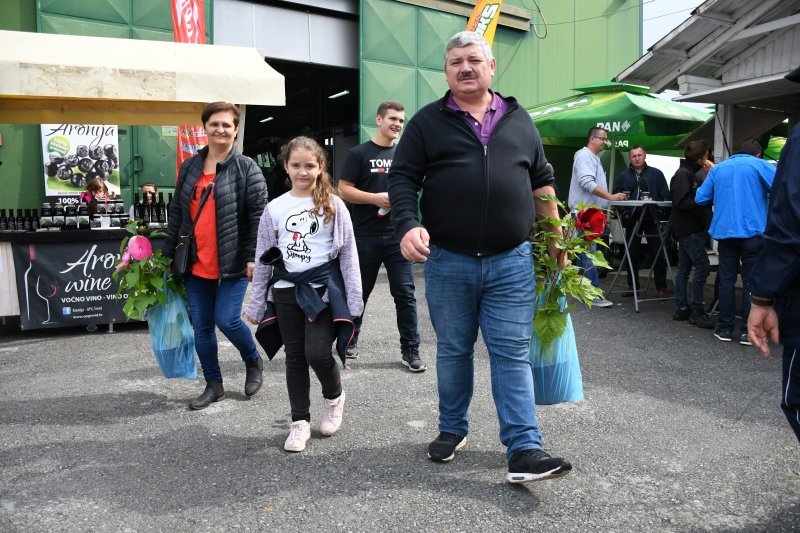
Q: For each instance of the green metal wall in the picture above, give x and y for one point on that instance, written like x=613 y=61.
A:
x=21 y=175
x=402 y=49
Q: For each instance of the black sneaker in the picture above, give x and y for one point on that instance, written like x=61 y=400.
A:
x=444 y=448
x=412 y=359
x=724 y=336
x=682 y=314
x=744 y=340
x=352 y=350
x=701 y=320
x=535 y=465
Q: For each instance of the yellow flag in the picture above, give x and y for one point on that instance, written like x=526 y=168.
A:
x=484 y=18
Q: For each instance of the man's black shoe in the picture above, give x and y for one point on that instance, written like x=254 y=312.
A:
x=352 y=350
x=535 y=465
x=702 y=320
x=444 y=448
x=254 y=376
x=213 y=393
x=682 y=314
x=412 y=359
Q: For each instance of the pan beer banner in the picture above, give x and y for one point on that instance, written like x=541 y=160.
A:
x=484 y=18
x=189 y=26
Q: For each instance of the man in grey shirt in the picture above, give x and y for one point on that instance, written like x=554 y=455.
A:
x=589 y=186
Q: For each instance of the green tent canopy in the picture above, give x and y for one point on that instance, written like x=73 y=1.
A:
x=630 y=113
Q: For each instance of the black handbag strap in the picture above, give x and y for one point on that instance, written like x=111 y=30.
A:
x=203 y=198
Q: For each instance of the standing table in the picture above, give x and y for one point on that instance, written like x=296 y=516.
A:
x=649 y=210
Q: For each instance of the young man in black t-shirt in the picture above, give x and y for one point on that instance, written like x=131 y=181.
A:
x=363 y=183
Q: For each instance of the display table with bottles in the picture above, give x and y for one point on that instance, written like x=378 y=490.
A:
x=53 y=279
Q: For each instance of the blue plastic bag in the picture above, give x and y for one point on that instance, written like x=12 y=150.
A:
x=556 y=372
x=172 y=337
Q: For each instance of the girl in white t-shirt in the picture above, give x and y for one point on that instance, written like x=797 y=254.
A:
x=310 y=227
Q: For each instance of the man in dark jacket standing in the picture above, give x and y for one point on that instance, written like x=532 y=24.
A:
x=641 y=181
x=775 y=292
x=689 y=221
x=480 y=163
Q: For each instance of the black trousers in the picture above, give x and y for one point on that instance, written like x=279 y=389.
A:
x=790 y=400
x=307 y=344
x=654 y=247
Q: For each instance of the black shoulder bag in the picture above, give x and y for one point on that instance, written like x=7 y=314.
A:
x=183 y=250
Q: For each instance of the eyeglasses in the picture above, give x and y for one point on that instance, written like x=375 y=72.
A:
x=604 y=139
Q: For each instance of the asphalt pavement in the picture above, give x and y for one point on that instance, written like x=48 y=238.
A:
x=678 y=432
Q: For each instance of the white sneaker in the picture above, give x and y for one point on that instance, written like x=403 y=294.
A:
x=602 y=302
x=299 y=433
x=332 y=415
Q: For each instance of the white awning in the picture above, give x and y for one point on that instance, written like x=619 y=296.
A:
x=47 y=78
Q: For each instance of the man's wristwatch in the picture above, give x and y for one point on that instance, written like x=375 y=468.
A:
x=761 y=301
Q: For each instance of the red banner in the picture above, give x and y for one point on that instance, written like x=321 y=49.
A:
x=189 y=26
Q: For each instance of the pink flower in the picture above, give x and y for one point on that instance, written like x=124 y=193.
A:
x=124 y=261
x=140 y=247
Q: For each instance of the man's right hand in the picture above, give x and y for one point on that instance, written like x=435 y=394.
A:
x=619 y=197
x=414 y=245
x=382 y=200
x=762 y=323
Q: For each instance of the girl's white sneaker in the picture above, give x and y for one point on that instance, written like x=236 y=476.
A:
x=299 y=433
x=332 y=415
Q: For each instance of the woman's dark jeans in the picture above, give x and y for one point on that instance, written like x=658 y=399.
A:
x=691 y=253
x=218 y=302
x=306 y=344
x=731 y=253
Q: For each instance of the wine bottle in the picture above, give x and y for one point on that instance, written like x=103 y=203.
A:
x=137 y=206
x=27 y=223
x=161 y=210
x=46 y=220
x=35 y=220
x=3 y=220
x=19 y=222
x=58 y=217
x=83 y=217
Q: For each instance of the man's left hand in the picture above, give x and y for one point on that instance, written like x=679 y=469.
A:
x=762 y=323
x=250 y=267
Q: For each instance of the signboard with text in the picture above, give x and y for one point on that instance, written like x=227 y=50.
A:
x=75 y=154
x=70 y=284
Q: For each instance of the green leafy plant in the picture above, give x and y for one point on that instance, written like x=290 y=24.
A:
x=143 y=272
x=579 y=235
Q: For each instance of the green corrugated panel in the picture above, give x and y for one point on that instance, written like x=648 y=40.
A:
x=105 y=10
x=18 y=15
x=92 y=28
x=152 y=14
x=434 y=28
x=151 y=34
x=21 y=173
x=381 y=40
x=387 y=82
x=431 y=85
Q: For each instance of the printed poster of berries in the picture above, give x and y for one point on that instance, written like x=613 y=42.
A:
x=75 y=154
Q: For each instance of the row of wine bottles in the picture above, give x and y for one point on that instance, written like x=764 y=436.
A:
x=151 y=211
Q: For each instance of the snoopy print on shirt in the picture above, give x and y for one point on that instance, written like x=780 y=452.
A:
x=303 y=237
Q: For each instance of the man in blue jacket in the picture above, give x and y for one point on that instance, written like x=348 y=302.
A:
x=739 y=190
x=480 y=163
x=640 y=180
x=776 y=279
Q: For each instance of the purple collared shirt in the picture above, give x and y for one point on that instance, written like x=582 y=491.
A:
x=492 y=116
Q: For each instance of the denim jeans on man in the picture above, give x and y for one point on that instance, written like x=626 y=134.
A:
x=213 y=301
x=374 y=250
x=497 y=294
x=587 y=268
x=731 y=252
x=691 y=253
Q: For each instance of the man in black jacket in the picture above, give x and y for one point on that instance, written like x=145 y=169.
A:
x=641 y=181
x=480 y=164
x=690 y=227
x=775 y=293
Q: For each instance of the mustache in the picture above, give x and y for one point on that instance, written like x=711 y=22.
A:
x=466 y=76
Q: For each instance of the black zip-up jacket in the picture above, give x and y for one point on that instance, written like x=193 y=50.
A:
x=776 y=273
x=240 y=195
x=687 y=216
x=476 y=200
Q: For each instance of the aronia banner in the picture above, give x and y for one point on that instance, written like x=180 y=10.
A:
x=189 y=26
x=484 y=18
x=75 y=154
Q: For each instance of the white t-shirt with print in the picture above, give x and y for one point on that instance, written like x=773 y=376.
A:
x=303 y=238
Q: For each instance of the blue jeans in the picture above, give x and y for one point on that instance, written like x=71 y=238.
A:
x=587 y=268
x=374 y=250
x=219 y=302
x=732 y=252
x=497 y=294
x=691 y=252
